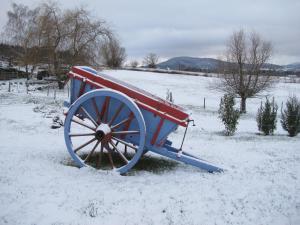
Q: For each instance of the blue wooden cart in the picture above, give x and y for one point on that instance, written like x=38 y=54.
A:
x=110 y=118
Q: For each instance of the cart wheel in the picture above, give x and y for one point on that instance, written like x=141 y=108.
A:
x=105 y=129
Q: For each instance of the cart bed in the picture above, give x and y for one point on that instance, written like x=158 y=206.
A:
x=145 y=100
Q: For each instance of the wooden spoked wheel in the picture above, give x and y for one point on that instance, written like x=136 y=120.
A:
x=105 y=129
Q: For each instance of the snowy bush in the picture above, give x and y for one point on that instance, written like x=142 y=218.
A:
x=266 y=117
x=290 y=116
x=228 y=114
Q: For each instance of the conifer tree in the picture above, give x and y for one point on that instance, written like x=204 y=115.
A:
x=290 y=116
x=228 y=114
x=267 y=117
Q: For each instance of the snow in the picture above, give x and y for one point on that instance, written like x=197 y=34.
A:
x=40 y=185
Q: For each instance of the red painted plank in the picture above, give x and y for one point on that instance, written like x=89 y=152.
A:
x=157 y=131
x=127 y=125
x=96 y=110
x=104 y=110
x=82 y=87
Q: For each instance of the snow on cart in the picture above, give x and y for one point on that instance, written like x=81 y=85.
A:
x=110 y=119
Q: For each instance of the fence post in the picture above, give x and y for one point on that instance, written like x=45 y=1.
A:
x=204 y=103
x=9 y=88
x=26 y=84
x=261 y=105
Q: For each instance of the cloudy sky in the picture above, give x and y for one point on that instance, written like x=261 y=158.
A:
x=197 y=28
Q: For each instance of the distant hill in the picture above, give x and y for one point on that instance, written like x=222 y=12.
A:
x=210 y=64
x=190 y=63
x=271 y=66
x=292 y=67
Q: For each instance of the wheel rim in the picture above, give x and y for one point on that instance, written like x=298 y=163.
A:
x=105 y=124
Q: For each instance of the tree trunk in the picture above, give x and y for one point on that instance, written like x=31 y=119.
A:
x=243 y=105
x=27 y=74
x=55 y=64
x=32 y=70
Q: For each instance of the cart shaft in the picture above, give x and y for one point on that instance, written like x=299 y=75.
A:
x=170 y=152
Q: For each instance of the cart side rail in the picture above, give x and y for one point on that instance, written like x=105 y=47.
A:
x=158 y=108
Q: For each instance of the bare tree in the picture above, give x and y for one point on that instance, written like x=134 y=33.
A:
x=242 y=72
x=112 y=53
x=84 y=35
x=20 y=31
x=151 y=60
x=60 y=38
x=52 y=32
x=134 y=64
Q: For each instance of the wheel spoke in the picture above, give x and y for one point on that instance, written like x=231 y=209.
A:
x=83 y=145
x=91 y=152
x=100 y=156
x=126 y=132
x=89 y=116
x=119 y=124
x=127 y=125
x=96 y=110
x=116 y=114
x=81 y=135
x=125 y=143
x=83 y=124
x=125 y=150
x=104 y=109
x=120 y=153
x=110 y=157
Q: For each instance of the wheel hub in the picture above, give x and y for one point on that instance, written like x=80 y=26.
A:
x=103 y=132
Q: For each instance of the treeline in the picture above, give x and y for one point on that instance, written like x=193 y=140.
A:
x=60 y=38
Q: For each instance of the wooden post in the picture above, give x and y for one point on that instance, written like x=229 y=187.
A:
x=26 y=84
x=204 y=103
x=261 y=105
x=171 y=97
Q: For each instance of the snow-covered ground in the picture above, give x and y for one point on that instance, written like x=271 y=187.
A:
x=40 y=185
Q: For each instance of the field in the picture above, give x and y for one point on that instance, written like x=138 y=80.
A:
x=40 y=185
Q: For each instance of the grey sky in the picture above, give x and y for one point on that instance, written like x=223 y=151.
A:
x=196 y=28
